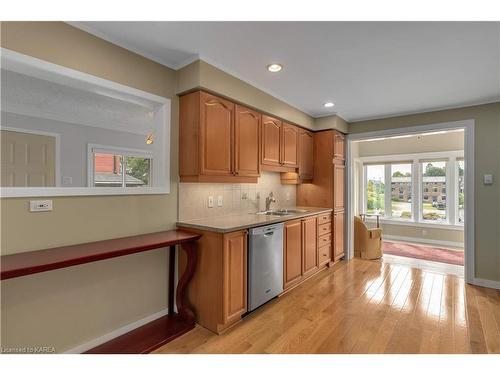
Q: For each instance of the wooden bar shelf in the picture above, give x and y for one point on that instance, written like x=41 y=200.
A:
x=149 y=336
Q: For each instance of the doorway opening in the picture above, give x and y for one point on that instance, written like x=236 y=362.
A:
x=414 y=184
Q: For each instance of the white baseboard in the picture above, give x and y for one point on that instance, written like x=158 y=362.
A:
x=423 y=240
x=118 y=332
x=486 y=283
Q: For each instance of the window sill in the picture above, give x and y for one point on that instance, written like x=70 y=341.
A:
x=421 y=224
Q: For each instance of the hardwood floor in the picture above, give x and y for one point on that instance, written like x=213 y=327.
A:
x=364 y=307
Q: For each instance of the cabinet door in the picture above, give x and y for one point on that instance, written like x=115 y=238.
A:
x=271 y=139
x=338 y=186
x=216 y=135
x=339 y=146
x=306 y=155
x=246 y=142
x=292 y=267
x=310 y=245
x=235 y=275
x=338 y=237
x=289 y=146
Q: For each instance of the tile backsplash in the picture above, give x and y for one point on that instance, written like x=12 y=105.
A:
x=236 y=198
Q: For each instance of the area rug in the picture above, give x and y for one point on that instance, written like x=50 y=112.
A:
x=412 y=250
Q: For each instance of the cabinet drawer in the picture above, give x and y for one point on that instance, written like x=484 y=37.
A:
x=324 y=228
x=324 y=218
x=325 y=254
x=325 y=240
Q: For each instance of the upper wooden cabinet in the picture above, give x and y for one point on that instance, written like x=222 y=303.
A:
x=246 y=142
x=289 y=145
x=339 y=146
x=216 y=135
x=270 y=141
x=218 y=140
x=306 y=155
x=279 y=145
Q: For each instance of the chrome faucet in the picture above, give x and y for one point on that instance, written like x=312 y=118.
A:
x=270 y=199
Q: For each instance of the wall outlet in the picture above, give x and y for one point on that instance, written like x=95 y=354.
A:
x=39 y=206
x=287 y=196
x=210 y=201
x=67 y=180
x=424 y=232
x=244 y=195
x=488 y=179
x=219 y=200
x=257 y=195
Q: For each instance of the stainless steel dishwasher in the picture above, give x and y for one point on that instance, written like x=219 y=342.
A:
x=265 y=264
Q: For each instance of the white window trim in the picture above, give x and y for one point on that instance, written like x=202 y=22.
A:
x=164 y=115
x=417 y=193
x=122 y=151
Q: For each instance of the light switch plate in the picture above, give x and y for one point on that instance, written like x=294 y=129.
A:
x=39 y=206
x=488 y=179
x=210 y=201
x=219 y=200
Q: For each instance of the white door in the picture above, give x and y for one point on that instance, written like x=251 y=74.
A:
x=28 y=160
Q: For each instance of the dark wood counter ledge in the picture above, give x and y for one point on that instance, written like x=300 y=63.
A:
x=149 y=336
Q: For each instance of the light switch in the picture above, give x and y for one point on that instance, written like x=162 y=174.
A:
x=219 y=201
x=488 y=179
x=210 y=201
x=38 y=206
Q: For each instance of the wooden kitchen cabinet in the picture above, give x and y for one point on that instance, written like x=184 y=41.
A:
x=338 y=186
x=306 y=155
x=218 y=140
x=216 y=134
x=235 y=276
x=218 y=289
x=271 y=141
x=339 y=146
x=292 y=254
x=338 y=235
x=289 y=145
x=246 y=142
x=310 y=245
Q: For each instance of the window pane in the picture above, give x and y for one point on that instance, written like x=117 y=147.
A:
x=461 y=191
x=138 y=172
x=375 y=189
x=401 y=191
x=107 y=170
x=434 y=188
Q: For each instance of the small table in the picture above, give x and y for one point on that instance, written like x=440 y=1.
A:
x=364 y=216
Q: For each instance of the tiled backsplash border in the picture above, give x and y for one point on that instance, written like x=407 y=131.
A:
x=193 y=197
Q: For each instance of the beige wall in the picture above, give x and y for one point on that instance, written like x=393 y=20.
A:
x=487 y=160
x=451 y=141
x=66 y=308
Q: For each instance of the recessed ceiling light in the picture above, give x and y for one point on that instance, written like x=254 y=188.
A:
x=274 y=68
x=328 y=104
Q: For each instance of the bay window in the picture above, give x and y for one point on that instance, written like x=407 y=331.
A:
x=425 y=188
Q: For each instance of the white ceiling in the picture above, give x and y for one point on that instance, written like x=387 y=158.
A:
x=368 y=69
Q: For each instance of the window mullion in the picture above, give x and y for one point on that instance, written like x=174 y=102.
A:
x=387 y=191
x=451 y=185
x=416 y=199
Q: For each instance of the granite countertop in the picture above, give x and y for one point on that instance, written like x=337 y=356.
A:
x=231 y=223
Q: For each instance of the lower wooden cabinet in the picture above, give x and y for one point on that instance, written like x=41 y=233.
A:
x=234 y=282
x=338 y=235
x=307 y=248
x=218 y=290
x=310 y=245
x=292 y=253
